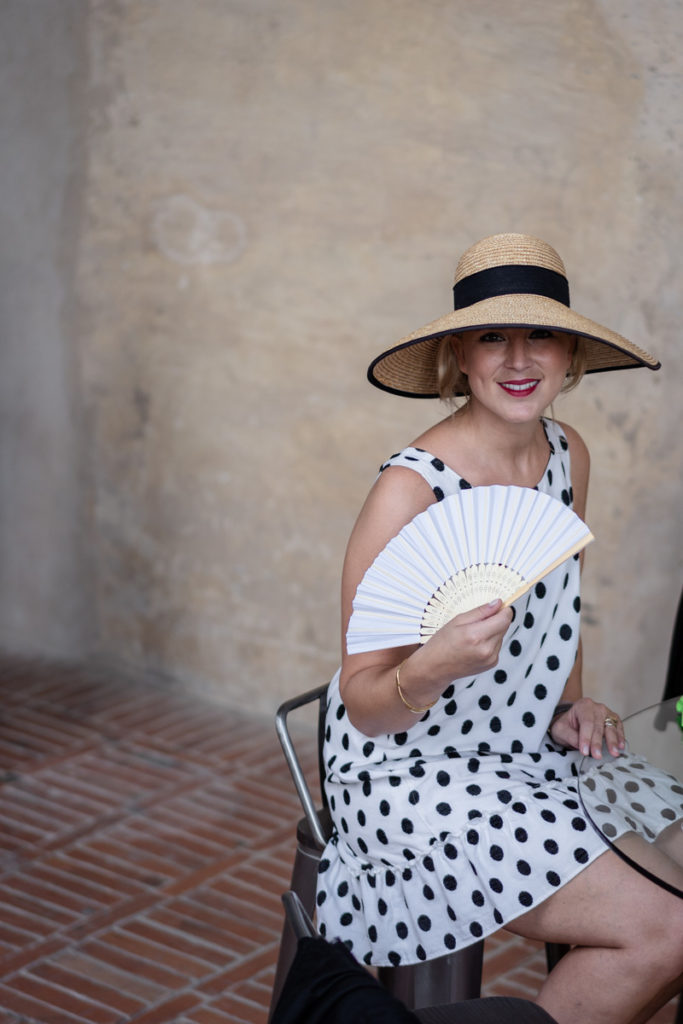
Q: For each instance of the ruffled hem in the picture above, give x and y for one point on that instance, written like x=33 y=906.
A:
x=468 y=885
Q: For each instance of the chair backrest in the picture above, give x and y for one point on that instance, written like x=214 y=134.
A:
x=316 y=825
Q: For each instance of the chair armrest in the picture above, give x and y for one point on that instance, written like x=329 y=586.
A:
x=304 y=793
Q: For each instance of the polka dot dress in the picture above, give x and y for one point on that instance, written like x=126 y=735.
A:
x=447 y=831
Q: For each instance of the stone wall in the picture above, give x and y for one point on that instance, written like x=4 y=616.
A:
x=217 y=213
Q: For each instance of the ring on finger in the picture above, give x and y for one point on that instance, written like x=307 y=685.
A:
x=610 y=720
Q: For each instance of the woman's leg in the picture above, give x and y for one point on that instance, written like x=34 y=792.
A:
x=627 y=934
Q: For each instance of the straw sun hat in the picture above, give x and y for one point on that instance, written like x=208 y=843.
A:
x=506 y=280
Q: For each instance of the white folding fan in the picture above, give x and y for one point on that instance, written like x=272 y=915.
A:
x=470 y=548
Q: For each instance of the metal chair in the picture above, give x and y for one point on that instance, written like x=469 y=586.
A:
x=448 y=979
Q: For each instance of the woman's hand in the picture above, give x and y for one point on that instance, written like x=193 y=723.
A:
x=584 y=727
x=467 y=645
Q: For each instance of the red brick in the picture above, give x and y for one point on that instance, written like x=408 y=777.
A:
x=202 y=923
x=187 y=966
x=69 y=1001
x=107 y=974
x=131 y=963
x=114 y=859
x=33 y=899
x=205 y=1015
x=224 y=897
x=73 y=864
x=240 y=1012
x=196 y=878
x=178 y=940
x=75 y=883
x=245 y=968
x=31 y=923
x=167 y=1012
x=36 y=1011
x=87 y=986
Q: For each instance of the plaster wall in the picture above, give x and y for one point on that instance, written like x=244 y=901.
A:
x=260 y=197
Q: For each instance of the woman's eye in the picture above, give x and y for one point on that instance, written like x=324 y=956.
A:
x=540 y=333
x=492 y=336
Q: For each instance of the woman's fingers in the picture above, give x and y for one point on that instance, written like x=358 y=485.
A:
x=597 y=724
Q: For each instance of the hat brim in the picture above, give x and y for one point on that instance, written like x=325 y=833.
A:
x=409 y=368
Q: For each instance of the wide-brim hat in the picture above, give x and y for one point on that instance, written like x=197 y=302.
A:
x=509 y=280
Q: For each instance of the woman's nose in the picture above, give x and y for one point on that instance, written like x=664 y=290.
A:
x=518 y=352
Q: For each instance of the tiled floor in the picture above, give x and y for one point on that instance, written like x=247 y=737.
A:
x=146 y=838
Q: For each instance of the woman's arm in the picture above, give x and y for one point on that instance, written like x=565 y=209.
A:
x=469 y=644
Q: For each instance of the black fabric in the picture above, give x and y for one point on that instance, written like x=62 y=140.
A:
x=510 y=280
x=325 y=985
x=493 y=1010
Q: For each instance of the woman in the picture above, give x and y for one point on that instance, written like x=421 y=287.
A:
x=451 y=766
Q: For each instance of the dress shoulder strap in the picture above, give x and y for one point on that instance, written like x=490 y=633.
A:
x=441 y=478
x=557 y=479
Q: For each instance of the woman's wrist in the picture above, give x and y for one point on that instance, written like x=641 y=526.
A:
x=560 y=710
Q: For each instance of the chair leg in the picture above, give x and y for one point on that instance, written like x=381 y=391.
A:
x=304 y=878
x=447 y=979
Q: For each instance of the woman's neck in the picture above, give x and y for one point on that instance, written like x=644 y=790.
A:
x=489 y=450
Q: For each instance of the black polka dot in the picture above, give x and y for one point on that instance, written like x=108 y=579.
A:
x=443 y=809
x=495 y=725
x=523 y=867
x=565 y=632
x=495 y=885
x=529 y=719
x=553 y=877
x=443 y=778
x=500 y=676
x=521 y=835
x=515 y=648
x=438 y=493
x=553 y=663
x=402 y=930
x=526 y=899
x=476 y=930
x=496 y=853
x=438 y=465
x=539 y=590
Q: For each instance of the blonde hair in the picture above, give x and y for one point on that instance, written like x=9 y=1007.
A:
x=453 y=382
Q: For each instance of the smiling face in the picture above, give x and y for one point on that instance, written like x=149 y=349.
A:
x=515 y=372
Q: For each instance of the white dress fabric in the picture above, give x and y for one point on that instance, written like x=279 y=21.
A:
x=455 y=827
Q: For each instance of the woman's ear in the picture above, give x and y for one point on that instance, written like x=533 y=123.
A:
x=459 y=352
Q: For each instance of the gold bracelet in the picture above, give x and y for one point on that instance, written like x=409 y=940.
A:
x=415 y=711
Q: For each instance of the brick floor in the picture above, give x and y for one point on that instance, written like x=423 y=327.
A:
x=147 y=835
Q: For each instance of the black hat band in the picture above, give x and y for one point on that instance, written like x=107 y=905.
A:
x=510 y=279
